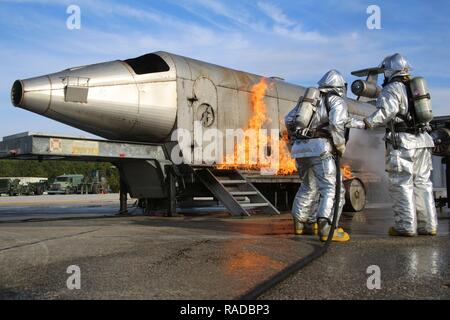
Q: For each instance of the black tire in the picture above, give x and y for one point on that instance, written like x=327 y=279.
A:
x=39 y=191
x=96 y=189
x=355 y=196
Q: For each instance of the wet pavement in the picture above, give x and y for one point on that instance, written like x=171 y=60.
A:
x=22 y=208
x=410 y=268
x=209 y=256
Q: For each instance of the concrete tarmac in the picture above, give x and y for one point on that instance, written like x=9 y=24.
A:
x=210 y=256
x=29 y=208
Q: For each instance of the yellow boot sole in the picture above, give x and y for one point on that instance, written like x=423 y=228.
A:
x=426 y=233
x=394 y=233
x=309 y=231
x=339 y=236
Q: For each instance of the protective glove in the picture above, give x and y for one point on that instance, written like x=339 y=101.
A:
x=340 y=149
x=367 y=123
x=355 y=123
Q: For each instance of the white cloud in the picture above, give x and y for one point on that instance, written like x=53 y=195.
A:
x=283 y=49
x=276 y=14
x=298 y=34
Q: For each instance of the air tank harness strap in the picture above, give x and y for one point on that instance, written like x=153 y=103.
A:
x=423 y=96
x=312 y=101
x=402 y=128
x=327 y=106
x=318 y=132
x=410 y=116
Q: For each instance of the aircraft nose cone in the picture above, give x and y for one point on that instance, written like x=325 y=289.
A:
x=32 y=94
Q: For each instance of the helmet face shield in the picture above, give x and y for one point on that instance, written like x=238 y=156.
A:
x=332 y=79
x=342 y=91
x=395 y=65
x=388 y=73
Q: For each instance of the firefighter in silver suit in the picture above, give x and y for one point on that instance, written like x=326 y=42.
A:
x=314 y=149
x=408 y=153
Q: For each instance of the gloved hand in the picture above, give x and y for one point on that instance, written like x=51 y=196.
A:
x=340 y=149
x=355 y=123
x=367 y=123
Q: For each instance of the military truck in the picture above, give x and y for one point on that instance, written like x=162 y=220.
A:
x=66 y=184
x=15 y=186
x=93 y=183
x=9 y=186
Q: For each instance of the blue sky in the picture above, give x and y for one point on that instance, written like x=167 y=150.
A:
x=296 y=40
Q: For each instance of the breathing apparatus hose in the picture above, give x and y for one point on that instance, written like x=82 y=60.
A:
x=263 y=287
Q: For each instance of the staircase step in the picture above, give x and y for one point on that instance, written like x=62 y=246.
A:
x=254 y=205
x=233 y=181
x=243 y=193
x=234 y=191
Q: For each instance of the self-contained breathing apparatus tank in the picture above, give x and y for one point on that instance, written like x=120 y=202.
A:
x=307 y=108
x=420 y=112
x=422 y=101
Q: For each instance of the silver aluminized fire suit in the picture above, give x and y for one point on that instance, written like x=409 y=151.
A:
x=408 y=167
x=314 y=156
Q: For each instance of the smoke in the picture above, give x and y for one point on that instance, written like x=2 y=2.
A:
x=365 y=156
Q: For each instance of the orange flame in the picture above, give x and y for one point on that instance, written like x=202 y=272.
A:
x=347 y=172
x=259 y=118
x=287 y=163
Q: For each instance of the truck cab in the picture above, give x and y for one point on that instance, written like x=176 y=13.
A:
x=66 y=184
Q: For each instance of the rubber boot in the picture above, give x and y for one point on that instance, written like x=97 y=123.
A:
x=339 y=234
x=314 y=227
x=396 y=233
x=310 y=229
x=301 y=228
x=298 y=227
x=423 y=232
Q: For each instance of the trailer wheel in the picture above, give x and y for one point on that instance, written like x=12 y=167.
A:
x=355 y=196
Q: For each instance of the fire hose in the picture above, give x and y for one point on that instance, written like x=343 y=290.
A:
x=265 y=286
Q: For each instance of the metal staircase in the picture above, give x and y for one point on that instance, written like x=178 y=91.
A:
x=232 y=189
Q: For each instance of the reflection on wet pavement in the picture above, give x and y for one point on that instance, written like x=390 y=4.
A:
x=248 y=261
x=376 y=220
x=411 y=268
